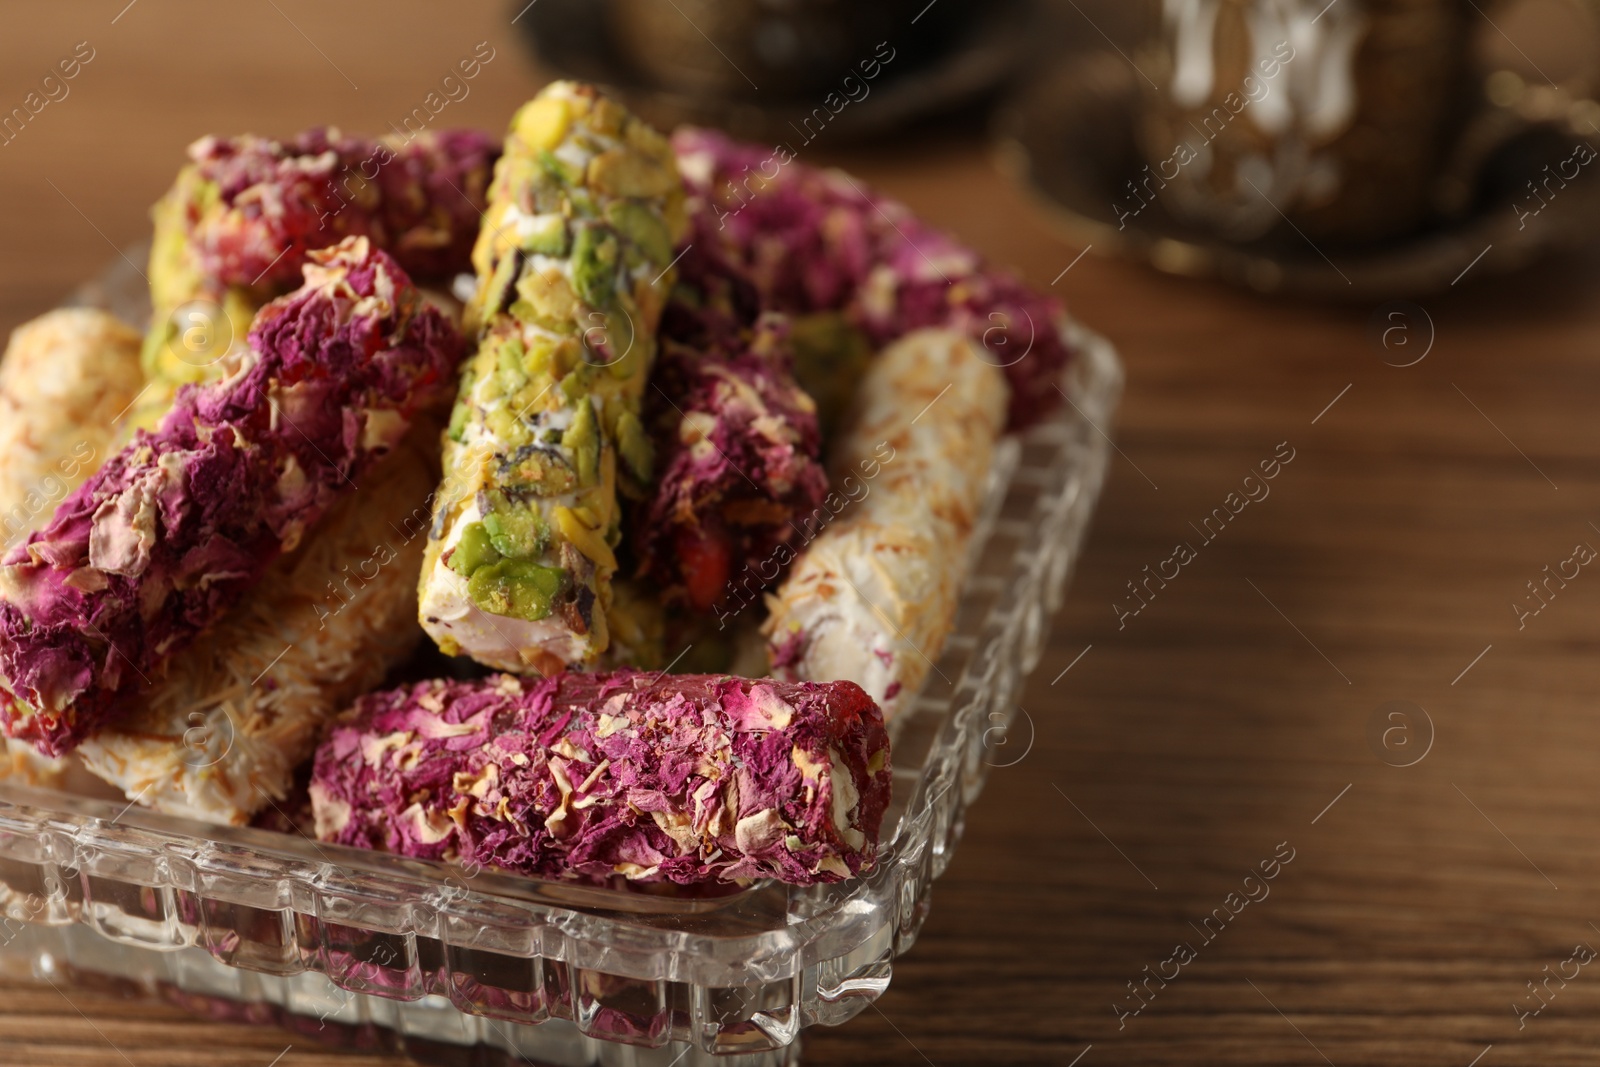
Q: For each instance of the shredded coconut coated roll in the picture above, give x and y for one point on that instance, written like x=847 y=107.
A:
x=67 y=379
x=222 y=731
x=873 y=596
x=687 y=779
x=574 y=266
x=173 y=532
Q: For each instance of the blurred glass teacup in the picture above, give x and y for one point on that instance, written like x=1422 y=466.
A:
x=786 y=47
x=1353 y=121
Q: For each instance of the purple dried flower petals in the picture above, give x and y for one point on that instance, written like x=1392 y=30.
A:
x=812 y=240
x=686 y=779
x=738 y=447
x=180 y=525
x=253 y=207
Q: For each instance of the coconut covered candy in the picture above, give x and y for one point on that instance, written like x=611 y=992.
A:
x=222 y=730
x=66 y=380
x=874 y=596
x=176 y=528
x=679 y=778
x=241 y=217
x=817 y=241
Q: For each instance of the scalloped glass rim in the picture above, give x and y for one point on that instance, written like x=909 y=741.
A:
x=408 y=929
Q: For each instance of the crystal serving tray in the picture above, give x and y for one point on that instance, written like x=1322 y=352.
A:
x=360 y=948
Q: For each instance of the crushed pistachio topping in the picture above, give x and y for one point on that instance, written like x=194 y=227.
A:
x=574 y=265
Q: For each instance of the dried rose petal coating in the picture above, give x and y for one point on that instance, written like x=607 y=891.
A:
x=236 y=226
x=176 y=528
x=737 y=443
x=219 y=732
x=686 y=778
x=247 y=210
x=66 y=379
x=812 y=241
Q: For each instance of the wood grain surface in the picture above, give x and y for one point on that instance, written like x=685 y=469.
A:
x=1172 y=752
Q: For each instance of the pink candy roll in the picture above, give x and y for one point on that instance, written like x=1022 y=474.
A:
x=179 y=526
x=246 y=210
x=813 y=240
x=738 y=451
x=236 y=227
x=682 y=778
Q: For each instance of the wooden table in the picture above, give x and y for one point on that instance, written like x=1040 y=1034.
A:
x=1173 y=753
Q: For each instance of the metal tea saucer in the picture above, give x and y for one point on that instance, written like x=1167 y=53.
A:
x=1069 y=138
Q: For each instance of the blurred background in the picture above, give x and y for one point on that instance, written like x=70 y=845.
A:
x=1404 y=132
x=1242 y=195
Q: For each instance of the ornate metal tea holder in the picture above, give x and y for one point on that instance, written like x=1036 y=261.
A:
x=1515 y=188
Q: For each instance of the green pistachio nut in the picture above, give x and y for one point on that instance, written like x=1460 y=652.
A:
x=575 y=386
x=536 y=357
x=634 y=445
x=547 y=236
x=582 y=442
x=537 y=470
x=515 y=530
x=627 y=350
x=644 y=228
x=559 y=172
x=594 y=272
x=460 y=415
x=517 y=588
x=509 y=362
x=494 y=296
x=504 y=425
x=474 y=550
